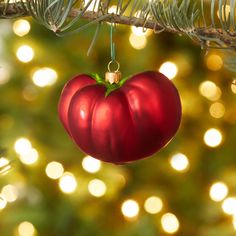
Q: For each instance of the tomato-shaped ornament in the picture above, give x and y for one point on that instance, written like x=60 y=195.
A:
x=123 y=122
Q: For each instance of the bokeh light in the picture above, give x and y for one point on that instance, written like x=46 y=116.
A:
x=26 y=228
x=214 y=62
x=91 y=164
x=153 y=205
x=213 y=137
x=10 y=193
x=209 y=90
x=68 y=183
x=21 y=27
x=170 y=223
x=217 y=110
x=229 y=206
x=130 y=208
x=137 y=42
x=4 y=75
x=30 y=157
x=22 y=145
x=3 y=202
x=25 y=53
x=44 y=77
x=179 y=162
x=140 y=31
x=54 y=170
x=97 y=187
x=218 y=191
x=169 y=69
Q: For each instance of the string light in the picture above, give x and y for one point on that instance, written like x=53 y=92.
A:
x=26 y=229
x=229 y=206
x=91 y=164
x=214 y=62
x=54 y=170
x=213 y=138
x=10 y=193
x=4 y=75
x=217 y=110
x=30 y=157
x=179 y=162
x=25 y=53
x=3 y=202
x=218 y=191
x=22 y=145
x=209 y=90
x=170 y=223
x=140 y=31
x=21 y=27
x=233 y=86
x=44 y=77
x=169 y=69
x=130 y=208
x=67 y=183
x=153 y=205
x=97 y=187
x=137 y=42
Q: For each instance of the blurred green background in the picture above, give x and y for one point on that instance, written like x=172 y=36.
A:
x=53 y=189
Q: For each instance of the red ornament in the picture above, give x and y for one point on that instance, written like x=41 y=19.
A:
x=136 y=119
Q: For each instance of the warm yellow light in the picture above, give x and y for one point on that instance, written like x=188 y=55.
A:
x=97 y=187
x=169 y=69
x=91 y=164
x=93 y=6
x=25 y=53
x=10 y=193
x=214 y=62
x=68 y=183
x=229 y=206
x=218 y=191
x=30 y=157
x=217 y=110
x=4 y=165
x=225 y=12
x=4 y=75
x=3 y=202
x=140 y=31
x=26 y=229
x=153 y=205
x=209 y=90
x=21 y=27
x=112 y=9
x=44 y=77
x=213 y=137
x=130 y=208
x=137 y=42
x=234 y=222
x=54 y=170
x=22 y=146
x=170 y=223
x=179 y=162
x=233 y=86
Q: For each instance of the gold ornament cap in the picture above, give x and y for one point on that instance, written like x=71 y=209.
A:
x=113 y=77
